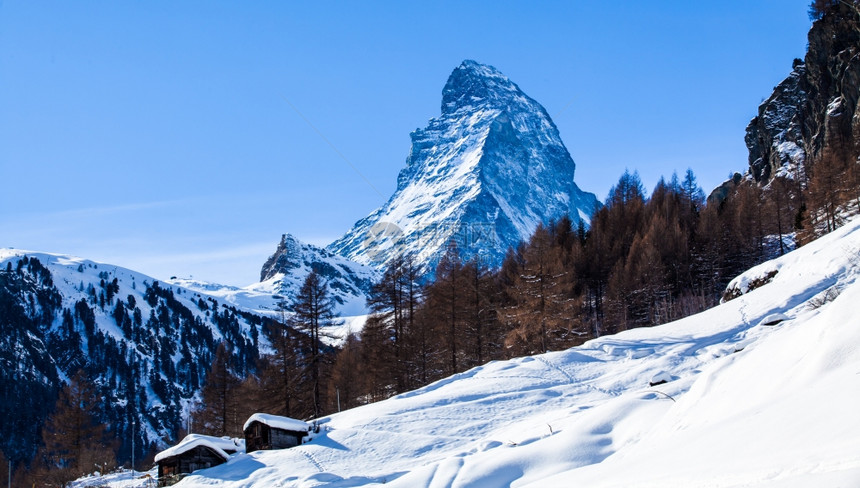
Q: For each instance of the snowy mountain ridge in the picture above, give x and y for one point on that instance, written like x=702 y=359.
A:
x=285 y=271
x=282 y=276
x=484 y=174
x=146 y=345
x=747 y=404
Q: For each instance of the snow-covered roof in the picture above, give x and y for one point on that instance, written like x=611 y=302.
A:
x=277 y=422
x=217 y=444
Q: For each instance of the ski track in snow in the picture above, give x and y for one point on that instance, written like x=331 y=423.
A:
x=313 y=460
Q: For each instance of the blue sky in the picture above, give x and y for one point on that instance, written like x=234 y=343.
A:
x=183 y=138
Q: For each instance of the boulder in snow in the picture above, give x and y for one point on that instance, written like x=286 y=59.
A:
x=773 y=319
x=660 y=378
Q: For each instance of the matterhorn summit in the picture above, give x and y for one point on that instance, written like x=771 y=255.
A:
x=482 y=175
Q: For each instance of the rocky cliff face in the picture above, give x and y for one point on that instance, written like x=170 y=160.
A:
x=816 y=107
x=484 y=174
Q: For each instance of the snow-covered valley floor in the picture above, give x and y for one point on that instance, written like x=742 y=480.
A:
x=747 y=405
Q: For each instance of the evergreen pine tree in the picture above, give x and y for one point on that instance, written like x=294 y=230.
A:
x=217 y=413
x=280 y=371
x=445 y=299
x=347 y=376
x=313 y=312
x=544 y=306
x=74 y=440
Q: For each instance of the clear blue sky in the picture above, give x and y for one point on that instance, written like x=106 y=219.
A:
x=161 y=135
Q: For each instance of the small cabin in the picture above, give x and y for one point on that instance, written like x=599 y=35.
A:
x=194 y=452
x=264 y=432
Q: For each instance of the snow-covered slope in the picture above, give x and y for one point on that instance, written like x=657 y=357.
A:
x=485 y=173
x=122 y=478
x=747 y=404
x=260 y=297
x=282 y=277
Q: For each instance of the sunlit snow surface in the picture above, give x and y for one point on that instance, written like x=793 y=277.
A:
x=119 y=479
x=262 y=298
x=748 y=405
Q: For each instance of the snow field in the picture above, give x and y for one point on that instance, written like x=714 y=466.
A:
x=748 y=405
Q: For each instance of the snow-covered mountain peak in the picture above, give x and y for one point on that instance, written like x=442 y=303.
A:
x=472 y=84
x=285 y=270
x=287 y=257
x=484 y=174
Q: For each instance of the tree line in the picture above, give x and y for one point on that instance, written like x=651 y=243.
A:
x=643 y=261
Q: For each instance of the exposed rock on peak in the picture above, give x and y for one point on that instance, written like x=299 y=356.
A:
x=472 y=84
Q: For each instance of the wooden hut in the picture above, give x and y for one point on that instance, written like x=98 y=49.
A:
x=264 y=431
x=193 y=453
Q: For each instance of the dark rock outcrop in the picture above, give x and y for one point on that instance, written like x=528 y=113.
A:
x=720 y=193
x=815 y=108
